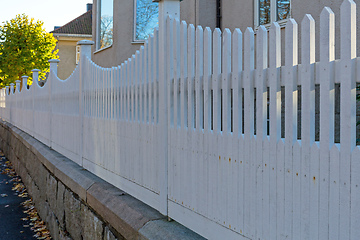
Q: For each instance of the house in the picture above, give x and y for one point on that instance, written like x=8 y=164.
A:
x=67 y=37
x=207 y=13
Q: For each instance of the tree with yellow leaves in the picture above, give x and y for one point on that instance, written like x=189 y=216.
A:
x=24 y=45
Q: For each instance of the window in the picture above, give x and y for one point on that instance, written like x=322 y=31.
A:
x=146 y=15
x=268 y=11
x=105 y=23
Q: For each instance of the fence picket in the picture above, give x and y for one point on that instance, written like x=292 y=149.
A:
x=261 y=113
x=275 y=126
x=216 y=121
x=174 y=125
x=249 y=183
x=348 y=108
x=207 y=119
x=191 y=115
x=291 y=60
x=307 y=117
x=199 y=116
x=237 y=200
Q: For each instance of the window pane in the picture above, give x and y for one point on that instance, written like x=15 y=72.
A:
x=106 y=25
x=264 y=12
x=283 y=9
x=147 y=14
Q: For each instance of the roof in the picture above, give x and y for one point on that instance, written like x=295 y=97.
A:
x=80 y=25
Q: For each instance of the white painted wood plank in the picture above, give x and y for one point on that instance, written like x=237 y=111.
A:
x=199 y=113
x=348 y=109
x=216 y=121
x=176 y=96
x=191 y=115
x=307 y=117
x=183 y=108
x=291 y=60
x=261 y=105
x=207 y=119
x=275 y=125
x=224 y=138
x=327 y=112
x=249 y=183
x=237 y=147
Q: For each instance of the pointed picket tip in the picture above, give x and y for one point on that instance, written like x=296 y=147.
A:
x=191 y=27
x=207 y=31
x=291 y=24
x=347 y=4
x=183 y=23
x=199 y=28
x=35 y=70
x=326 y=13
x=307 y=20
x=217 y=32
x=237 y=32
x=227 y=31
x=261 y=30
x=249 y=31
x=275 y=26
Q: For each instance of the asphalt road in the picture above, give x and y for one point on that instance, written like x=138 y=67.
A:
x=11 y=210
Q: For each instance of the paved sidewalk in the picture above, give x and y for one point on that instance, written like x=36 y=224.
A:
x=11 y=210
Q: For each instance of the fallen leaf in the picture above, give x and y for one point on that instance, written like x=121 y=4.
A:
x=6 y=206
x=4 y=195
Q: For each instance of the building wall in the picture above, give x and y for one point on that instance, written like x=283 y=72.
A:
x=67 y=55
x=235 y=14
x=123 y=46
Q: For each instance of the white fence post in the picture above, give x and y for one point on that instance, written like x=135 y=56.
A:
x=166 y=7
x=17 y=91
x=13 y=102
x=35 y=76
x=53 y=72
x=24 y=82
x=85 y=52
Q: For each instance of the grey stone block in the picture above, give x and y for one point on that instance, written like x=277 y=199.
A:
x=123 y=212
x=164 y=230
x=51 y=191
x=75 y=177
x=108 y=235
x=92 y=226
x=60 y=198
x=72 y=215
x=52 y=225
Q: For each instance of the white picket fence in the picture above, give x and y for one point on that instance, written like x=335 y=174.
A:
x=175 y=127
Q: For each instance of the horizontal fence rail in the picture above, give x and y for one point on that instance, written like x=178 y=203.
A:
x=209 y=127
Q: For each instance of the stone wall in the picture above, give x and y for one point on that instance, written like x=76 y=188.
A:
x=74 y=203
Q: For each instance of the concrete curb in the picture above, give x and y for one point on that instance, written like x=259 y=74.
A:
x=112 y=212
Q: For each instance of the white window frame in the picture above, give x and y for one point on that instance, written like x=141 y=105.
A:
x=134 y=40
x=273 y=14
x=98 y=27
